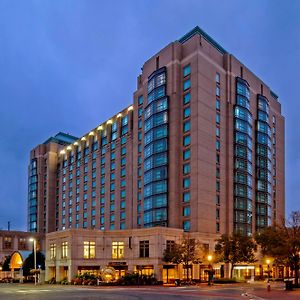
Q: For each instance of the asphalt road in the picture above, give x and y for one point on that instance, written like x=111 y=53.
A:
x=57 y=292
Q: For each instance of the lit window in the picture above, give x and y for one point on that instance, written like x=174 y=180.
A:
x=89 y=250
x=52 y=251
x=117 y=250
x=64 y=249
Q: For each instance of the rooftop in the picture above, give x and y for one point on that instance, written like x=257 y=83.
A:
x=199 y=31
x=62 y=139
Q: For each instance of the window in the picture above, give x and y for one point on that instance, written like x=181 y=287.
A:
x=7 y=242
x=186 y=211
x=186 y=183
x=89 y=250
x=144 y=248
x=218 y=118
x=186 y=225
x=218 y=91
x=64 y=249
x=186 y=112
x=186 y=126
x=186 y=196
x=170 y=245
x=187 y=140
x=187 y=154
x=186 y=98
x=186 y=84
x=52 y=251
x=218 y=104
x=140 y=100
x=187 y=70
x=218 y=186
x=217 y=77
x=186 y=169
x=218 y=146
x=22 y=244
x=117 y=250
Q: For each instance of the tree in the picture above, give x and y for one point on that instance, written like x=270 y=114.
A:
x=282 y=242
x=185 y=253
x=235 y=249
x=29 y=262
x=6 y=263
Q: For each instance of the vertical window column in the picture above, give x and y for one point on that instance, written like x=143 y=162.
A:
x=263 y=165
x=156 y=151
x=243 y=159
x=218 y=148
x=186 y=144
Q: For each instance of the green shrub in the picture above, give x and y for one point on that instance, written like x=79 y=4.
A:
x=225 y=280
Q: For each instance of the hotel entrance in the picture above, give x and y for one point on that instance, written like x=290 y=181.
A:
x=121 y=268
x=170 y=273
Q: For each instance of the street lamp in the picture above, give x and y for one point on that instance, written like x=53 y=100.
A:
x=34 y=251
x=209 y=258
x=268 y=263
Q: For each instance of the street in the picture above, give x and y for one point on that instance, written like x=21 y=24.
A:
x=256 y=291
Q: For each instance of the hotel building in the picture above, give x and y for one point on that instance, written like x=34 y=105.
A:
x=199 y=151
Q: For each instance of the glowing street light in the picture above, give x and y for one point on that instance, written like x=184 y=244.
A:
x=268 y=261
x=34 y=251
x=209 y=258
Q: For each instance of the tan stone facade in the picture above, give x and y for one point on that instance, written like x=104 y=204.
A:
x=127 y=257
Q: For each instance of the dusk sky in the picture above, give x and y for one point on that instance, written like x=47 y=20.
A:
x=70 y=65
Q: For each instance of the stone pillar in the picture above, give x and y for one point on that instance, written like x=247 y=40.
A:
x=158 y=270
x=72 y=271
x=47 y=273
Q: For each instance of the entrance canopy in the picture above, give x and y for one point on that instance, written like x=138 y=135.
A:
x=17 y=259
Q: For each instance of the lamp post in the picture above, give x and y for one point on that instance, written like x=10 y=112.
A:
x=34 y=253
x=268 y=285
x=268 y=263
x=209 y=258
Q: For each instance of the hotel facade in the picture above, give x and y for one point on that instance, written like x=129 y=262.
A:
x=200 y=152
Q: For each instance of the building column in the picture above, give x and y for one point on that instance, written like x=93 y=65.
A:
x=158 y=270
x=72 y=271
